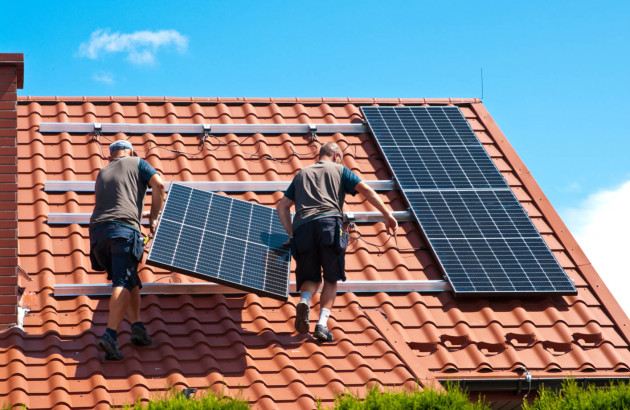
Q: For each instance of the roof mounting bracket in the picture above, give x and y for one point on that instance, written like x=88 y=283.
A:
x=98 y=128
x=313 y=129
x=206 y=132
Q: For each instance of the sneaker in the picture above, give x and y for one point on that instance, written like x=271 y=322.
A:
x=110 y=347
x=322 y=334
x=301 y=317
x=139 y=336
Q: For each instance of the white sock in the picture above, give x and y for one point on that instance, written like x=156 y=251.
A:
x=323 y=317
x=305 y=297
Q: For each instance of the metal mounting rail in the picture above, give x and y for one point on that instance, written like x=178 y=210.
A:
x=113 y=128
x=59 y=218
x=223 y=186
x=360 y=286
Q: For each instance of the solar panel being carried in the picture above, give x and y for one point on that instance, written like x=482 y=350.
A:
x=224 y=240
x=478 y=230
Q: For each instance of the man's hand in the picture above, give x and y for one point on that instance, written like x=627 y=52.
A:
x=391 y=223
x=372 y=197
x=153 y=223
x=284 y=214
x=157 y=200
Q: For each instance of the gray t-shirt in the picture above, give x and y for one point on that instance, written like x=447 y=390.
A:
x=319 y=190
x=120 y=191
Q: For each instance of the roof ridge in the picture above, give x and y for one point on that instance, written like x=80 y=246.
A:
x=245 y=100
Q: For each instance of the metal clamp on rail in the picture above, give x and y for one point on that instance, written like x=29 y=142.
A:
x=313 y=129
x=206 y=131
x=98 y=128
x=349 y=217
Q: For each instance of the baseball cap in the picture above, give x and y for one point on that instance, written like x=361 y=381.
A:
x=120 y=144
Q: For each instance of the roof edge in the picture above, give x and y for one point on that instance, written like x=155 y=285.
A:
x=567 y=240
x=252 y=100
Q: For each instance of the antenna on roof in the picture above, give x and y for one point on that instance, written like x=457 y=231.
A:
x=481 y=84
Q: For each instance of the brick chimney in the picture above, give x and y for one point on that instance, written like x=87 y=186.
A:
x=11 y=78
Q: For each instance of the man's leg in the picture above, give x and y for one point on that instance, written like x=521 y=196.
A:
x=133 y=311
x=139 y=335
x=118 y=305
x=327 y=298
x=333 y=265
x=307 y=272
x=302 y=310
x=329 y=293
x=310 y=287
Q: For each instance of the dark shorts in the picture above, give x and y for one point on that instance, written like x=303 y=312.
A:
x=117 y=249
x=319 y=245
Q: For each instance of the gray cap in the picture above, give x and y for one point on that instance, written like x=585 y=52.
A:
x=120 y=144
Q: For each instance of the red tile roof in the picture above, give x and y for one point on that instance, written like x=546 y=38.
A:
x=247 y=343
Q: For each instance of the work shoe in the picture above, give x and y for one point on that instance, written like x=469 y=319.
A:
x=139 y=335
x=322 y=334
x=110 y=347
x=301 y=317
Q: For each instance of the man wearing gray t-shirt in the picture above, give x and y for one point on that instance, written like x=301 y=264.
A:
x=318 y=242
x=116 y=240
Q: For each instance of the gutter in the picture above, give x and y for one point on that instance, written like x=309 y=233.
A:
x=525 y=385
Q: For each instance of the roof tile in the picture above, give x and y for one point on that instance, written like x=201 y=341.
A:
x=234 y=341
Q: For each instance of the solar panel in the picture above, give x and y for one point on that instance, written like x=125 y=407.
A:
x=224 y=240
x=443 y=167
x=478 y=230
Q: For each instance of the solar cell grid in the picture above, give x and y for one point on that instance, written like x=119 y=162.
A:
x=224 y=240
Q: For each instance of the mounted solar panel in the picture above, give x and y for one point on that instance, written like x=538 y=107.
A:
x=223 y=240
x=478 y=230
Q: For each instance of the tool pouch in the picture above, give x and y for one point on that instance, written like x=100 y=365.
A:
x=138 y=246
x=341 y=237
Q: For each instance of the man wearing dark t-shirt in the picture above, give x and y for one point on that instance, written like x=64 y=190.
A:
x=116 y=240
x=317 y=238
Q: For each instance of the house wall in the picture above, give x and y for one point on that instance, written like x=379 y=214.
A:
x=11 y=78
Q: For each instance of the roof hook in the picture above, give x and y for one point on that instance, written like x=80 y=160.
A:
x=188 y=392
x=206 y=135
x=528 y=379
x=313 y=129
x=98 y=129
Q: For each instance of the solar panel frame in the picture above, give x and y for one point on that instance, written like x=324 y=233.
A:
x=478 y=230
x=224 y=240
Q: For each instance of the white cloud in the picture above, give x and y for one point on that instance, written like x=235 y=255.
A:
x=104 y=77
x=139 y=46
x=601 y=225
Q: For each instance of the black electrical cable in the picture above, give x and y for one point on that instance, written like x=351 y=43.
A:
x=351 y=226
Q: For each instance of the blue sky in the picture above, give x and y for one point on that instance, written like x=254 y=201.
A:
x=556 y=74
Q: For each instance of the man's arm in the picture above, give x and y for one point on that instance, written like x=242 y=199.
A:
x=284 y=213
x=373 y=198
x=157 y=200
